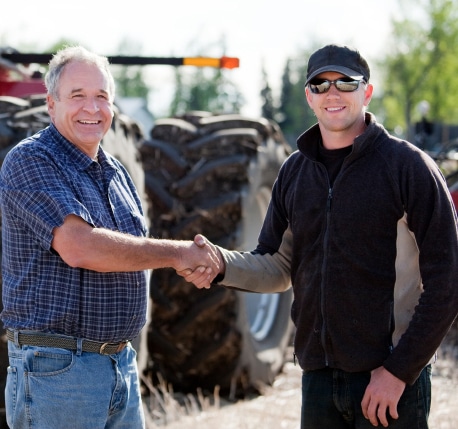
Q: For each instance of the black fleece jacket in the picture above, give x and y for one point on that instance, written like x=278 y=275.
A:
x=374 y=259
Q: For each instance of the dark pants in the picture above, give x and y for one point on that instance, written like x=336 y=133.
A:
x=331 y=399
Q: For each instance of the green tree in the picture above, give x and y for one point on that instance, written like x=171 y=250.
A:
x=268 y=109
x=205 y=89
x=422 y=64
x=294 y=115
x=130 y=81
x=178 y=103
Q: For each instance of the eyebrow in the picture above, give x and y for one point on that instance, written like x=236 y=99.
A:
x=104 y=91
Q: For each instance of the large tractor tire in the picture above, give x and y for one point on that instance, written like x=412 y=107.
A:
x=213 y=175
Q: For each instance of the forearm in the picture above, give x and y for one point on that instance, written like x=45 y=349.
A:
x=108 y=251
x=263 y=273
x=83 y=246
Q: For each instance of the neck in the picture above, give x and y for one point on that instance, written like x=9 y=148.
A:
x=338 y=139
x=94 y=155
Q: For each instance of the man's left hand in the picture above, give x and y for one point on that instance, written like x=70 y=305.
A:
x=382 y=396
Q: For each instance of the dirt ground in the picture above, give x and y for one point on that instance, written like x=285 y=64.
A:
x=279 y=405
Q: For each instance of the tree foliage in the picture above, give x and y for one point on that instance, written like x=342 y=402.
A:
x=130 y=80
x=294 y=115
x=205 y=89
x=268 y=109
x=422 y=64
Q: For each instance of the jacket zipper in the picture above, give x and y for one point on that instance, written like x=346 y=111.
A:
x=323 y=275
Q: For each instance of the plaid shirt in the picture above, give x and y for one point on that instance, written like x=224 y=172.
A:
x=44 y=179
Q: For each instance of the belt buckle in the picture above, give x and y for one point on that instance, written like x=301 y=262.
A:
x=121 y=347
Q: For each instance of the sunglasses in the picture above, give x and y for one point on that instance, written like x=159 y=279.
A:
x=344 y=84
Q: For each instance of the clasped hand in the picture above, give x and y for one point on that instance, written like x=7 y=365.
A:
x=211 y=264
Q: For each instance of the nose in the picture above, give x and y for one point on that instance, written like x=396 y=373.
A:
x=91 y=105
x=333 y=91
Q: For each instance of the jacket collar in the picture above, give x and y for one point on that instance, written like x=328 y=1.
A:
x=308 y=142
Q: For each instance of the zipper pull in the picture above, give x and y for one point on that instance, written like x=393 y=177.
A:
x=328 y=206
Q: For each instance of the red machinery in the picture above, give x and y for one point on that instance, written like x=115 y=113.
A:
x=17 y=80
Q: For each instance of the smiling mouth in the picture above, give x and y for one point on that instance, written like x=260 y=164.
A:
x=334 y=109
x=89 y=122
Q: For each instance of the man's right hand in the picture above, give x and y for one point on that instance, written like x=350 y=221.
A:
x=202 y=277
x=84 y=246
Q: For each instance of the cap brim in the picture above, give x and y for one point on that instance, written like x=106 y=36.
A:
x=339 y=69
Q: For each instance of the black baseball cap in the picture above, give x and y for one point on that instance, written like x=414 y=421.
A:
x=336 y=58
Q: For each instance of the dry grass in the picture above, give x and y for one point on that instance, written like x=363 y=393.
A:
x=445 y=388
x=279 y=405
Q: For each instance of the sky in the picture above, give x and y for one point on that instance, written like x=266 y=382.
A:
x=261 y=33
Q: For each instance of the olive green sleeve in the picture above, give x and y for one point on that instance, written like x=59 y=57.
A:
x=264 y=273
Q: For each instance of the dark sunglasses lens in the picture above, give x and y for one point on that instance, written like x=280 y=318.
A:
x=347 y=85
x=319 y=86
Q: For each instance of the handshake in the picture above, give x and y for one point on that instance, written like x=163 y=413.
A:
x=201 y=262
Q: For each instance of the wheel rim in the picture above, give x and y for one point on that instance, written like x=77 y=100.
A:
x=261 y=308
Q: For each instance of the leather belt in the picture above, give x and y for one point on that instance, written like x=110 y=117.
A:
x=44 y=340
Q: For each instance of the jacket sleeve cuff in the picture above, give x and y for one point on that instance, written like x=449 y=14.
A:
x=264 y=273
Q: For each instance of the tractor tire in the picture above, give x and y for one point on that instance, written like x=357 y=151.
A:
x=213 y=175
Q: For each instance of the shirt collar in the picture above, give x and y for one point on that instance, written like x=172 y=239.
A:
x=82 y=160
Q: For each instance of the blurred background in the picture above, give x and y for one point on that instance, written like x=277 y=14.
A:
x=406 y=42
x=410 y=47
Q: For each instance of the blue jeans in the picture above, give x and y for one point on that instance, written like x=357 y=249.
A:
x=331 y=399
x=51 y=388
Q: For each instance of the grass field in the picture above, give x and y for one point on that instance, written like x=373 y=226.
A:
x=279 y=405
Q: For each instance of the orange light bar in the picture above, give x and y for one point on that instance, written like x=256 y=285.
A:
x=230 y=62
x=223 y=62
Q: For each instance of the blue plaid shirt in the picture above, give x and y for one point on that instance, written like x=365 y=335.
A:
x=44 y=179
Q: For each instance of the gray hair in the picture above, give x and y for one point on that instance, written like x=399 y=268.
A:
x=73 y=54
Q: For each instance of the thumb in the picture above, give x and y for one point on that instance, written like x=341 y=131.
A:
x=199 y=240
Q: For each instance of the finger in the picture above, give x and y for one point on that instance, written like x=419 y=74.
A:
x=394 y=412
x=381 y=413
x=210 y=255
x=202 y=283
x=185 y=273
x=205 y=285
x=198 y=272
x=207 y=278
x=372 y=413
x=365 y=405
x=201 y=277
